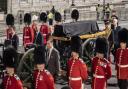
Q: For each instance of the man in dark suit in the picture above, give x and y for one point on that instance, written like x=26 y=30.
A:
x=13 y=40
x=114 y=35
x=38 y=40
x=53 y=59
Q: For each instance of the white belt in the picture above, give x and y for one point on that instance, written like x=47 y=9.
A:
x=122 y=66
x=97 y=76
x=74 y=79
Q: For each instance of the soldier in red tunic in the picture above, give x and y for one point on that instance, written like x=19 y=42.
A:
x=77 y=69
x=122 y=59
x=44 y=29
x=27 y=32
x=42 y=78
x=100 y=65
x=11 y=80
x=10 y=24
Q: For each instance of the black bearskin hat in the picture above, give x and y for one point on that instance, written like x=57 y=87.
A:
x=10 y=19
x=39 y=55
x=123 y=35
x=58 y=17
x=27 y=18
x=43 y=17
x=10 y=57
x=76 y=44
x=101 y=45
x=75 y=14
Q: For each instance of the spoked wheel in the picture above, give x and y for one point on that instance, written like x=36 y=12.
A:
x=26 y=67
x=88 y=50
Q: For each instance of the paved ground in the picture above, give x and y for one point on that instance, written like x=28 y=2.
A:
x=111 y=81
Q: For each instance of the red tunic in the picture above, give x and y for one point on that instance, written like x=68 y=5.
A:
x=44 y=31
x=101 y=72
x=77 y=70
x=122 y=63
x=43 y=80
x=27 y=36
x=12 y=82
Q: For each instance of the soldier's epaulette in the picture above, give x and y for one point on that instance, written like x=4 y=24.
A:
x=47 y=72
x=17 y=78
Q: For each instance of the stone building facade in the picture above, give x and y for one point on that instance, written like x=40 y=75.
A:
x=17 y=6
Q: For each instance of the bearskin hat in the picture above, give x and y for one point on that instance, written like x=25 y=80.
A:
x=75 y=14
x=10 y=19
x=27 y=18
x=39 y=55
x=43 y=17
x=101 y=45
x=123 y=35
x=76 y=44
x=10 y=57
x=58 y=17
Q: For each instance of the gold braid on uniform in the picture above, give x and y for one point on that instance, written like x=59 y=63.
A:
x=37 y=79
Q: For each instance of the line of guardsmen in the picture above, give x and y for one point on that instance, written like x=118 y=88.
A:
x=77 y=70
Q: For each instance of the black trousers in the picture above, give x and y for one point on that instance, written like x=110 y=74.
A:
x=123 y=83
x=50 y=21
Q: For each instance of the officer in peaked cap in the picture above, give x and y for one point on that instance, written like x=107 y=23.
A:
x=10 y=24
x=75 y=14
x=100 y=65
x=44 y=29
x=28 y=35
x=122 y=59
x=77 y=69
x=11 y=80
x=42 y=77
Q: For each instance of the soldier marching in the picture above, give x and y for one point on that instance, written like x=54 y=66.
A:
x=77 y=70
